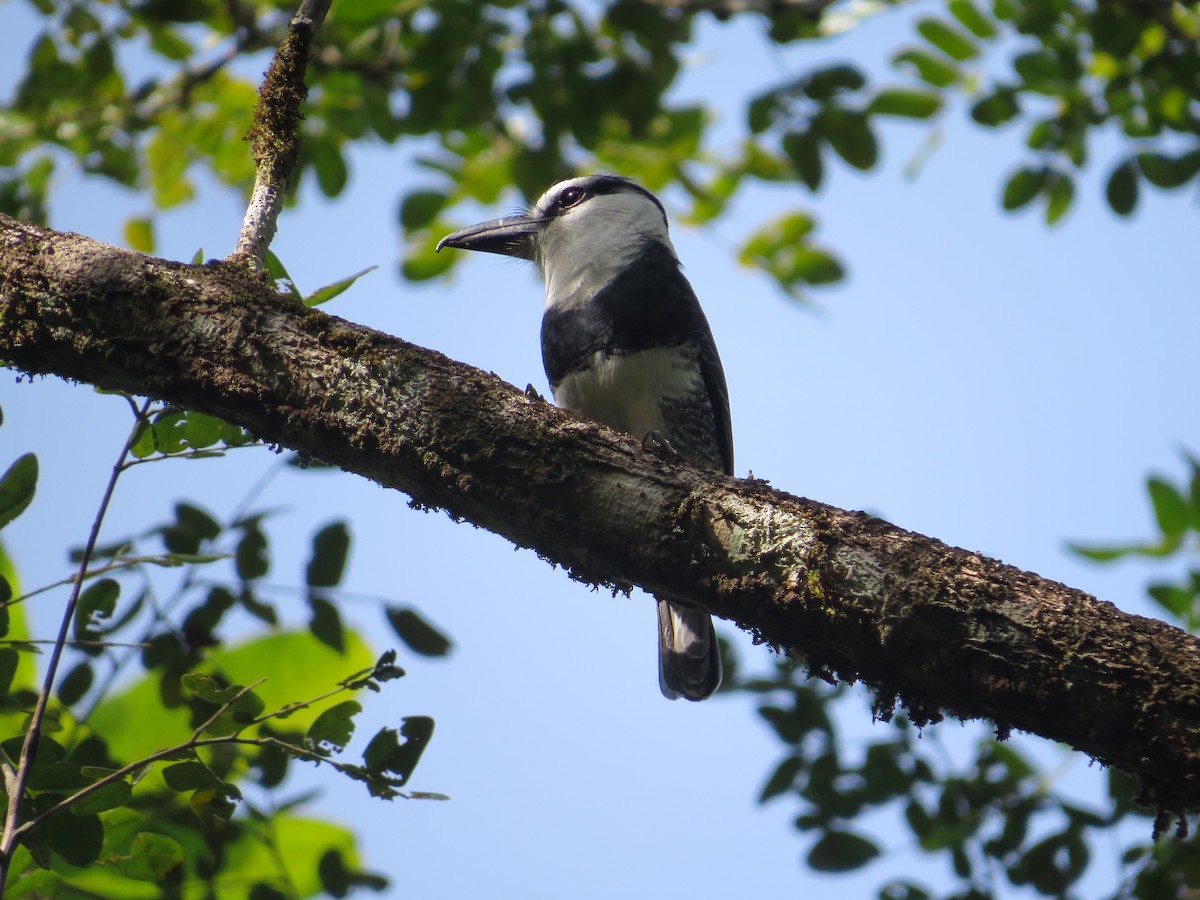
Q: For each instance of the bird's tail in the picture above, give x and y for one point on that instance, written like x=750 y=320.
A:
x=689 y=659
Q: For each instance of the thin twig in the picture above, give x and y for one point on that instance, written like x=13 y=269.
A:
x=275 y=134
x=15 y=782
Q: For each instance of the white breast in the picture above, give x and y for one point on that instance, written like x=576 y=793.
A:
x=626 y=391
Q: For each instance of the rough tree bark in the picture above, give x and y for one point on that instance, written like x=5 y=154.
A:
x=936 y=628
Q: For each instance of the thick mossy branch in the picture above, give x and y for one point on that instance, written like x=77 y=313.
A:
x=936 y=628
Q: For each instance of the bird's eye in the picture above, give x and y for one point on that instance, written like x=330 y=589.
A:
x=571 y=197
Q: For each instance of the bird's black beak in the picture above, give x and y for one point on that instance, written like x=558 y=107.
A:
x=510 y=236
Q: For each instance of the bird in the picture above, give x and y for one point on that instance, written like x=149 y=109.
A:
x=625 y=343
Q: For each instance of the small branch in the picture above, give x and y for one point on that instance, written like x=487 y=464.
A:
x=275 y=134
x=15 y=784
x=224 y=708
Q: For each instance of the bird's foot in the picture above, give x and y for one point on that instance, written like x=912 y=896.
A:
x=656 y=442
x=532 y=394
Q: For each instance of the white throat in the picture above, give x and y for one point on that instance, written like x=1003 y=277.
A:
x=583 y=250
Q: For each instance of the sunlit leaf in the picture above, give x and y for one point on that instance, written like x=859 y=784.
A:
x=850 y=134
x=1022 y=187
x=947 y=38
x=974 y=19
x=911 y=104
x=327 y=293
x=1059 y=194
x=151 y=857
x=334 y=727
x=931 y=69
x=139 y=234
x=1170 y=507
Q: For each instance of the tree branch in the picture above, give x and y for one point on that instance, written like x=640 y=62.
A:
x=930 y=626
x=275 y=134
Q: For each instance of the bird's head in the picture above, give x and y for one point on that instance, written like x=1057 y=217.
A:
x=580 y=232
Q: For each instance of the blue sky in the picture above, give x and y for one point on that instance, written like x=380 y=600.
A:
x=979 y=378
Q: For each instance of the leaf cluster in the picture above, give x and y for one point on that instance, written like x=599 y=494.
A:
x=163 y=748
x=504 y=94
x=997 y=817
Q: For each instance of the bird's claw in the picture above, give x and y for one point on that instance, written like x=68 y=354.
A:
x=532 y=394
x=657 y=442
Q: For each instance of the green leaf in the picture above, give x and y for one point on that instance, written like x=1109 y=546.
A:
x=77 y=839
x=335 y=877
x=330 y=547
x=244 y=705
x=947 y=38
x=279 y=274
x=931 y=69
x=387 y=758
x=96 y=605
x=824 y=84
x=1022 y=187
x=1176 y=600
x=417 y=634
x=1122 y=188
x=1060 y=192
x=849 y=133
x=334 y=727
x=760 y=112
x=327 y=293
x=783 y=778
x=420 y=208
x=188 y=775
x=36 y=885
x=201 y=431
x=330 y=166
x=214 y=806
x=804 y=150
x=196 y=520
x=996 y=108
x=422 y=262
x=9 y=658
x=1170 y=507
x=17 y=487
x=139 y=234
x=326 y=623
x=973 y=19
x=48 y=751
x=57 y=776
x=251 y=557
x=151 y=857
x=112 y=796
x=75 y=684
x=909 y=104
x=841 y=851
x=1163 y=171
